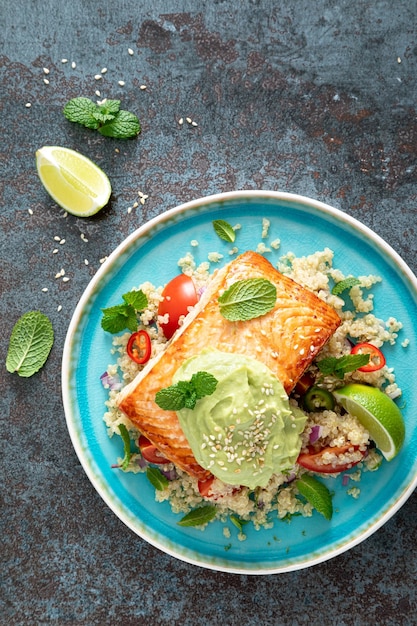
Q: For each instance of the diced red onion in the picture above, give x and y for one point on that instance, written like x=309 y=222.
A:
x=142 y=462
x=170 y=474
x=315 y=433
x=345 y=480
x=291 y=477
x=111 y=382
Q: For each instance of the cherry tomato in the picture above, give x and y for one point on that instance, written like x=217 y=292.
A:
x=311 y=460
x=179 y=294
x=204 y=486
x=376 y=358
x=150 y=452
x=139 y=347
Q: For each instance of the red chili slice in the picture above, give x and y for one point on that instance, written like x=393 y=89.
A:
x=376 y=358
x=139 y=347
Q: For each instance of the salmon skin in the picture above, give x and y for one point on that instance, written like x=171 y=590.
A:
x=286 y=339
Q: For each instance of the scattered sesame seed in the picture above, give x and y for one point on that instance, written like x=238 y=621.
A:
x=64 y=60
x=65 y=279
x=45 y=289
x=142 y=201
x=129 y=210
x=188 y=119
x=59 y=308
x=85 y=261
x=98 y=77
x=135 y=205
x=56 y=238
x=103 y=259
x=121 y=83
x=73 y=65
x=398 y=59
x=130 y=51
x=104 y=70
x=194 y=124
x=30 y=211
x=46 y=81
x=83 y=237
x=98 y=94
x=28 y=105
x=55 y=251
x=142 y=87
x=181 y=121
x=62 y=241
x=45 y=70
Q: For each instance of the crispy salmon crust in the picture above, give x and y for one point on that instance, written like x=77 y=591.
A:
x=286 y=339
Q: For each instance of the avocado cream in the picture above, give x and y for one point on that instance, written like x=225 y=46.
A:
x=245 y=431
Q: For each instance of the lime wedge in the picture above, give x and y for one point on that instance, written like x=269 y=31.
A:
x=317 y=494
x=378 y=413
x=75 y=183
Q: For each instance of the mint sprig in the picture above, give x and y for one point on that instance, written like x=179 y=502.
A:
x=124 y=316
x=124 y=433
x=224 y=230
x=185 y=393
x=107 y=118
x=339 y=366
x=247 y=299
x=157 y=478
x=198 y=517
x=30 y=344
x=317 y=494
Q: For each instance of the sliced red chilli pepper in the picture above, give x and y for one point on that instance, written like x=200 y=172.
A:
x=139 y=347
x=376 y=358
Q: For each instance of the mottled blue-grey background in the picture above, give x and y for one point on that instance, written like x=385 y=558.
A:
x=313 y=97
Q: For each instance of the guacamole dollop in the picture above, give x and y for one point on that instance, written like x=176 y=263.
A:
x=245 y=431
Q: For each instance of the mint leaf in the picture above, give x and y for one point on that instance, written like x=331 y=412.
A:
x=121 y=316
x=317 y=494
x=339 y=366
x=346 y=283
x=185 y=393
x=137 y=299
x=156 y=478
x=107 y=117
x=224 y=230
x=124 y=433
x=239 y=523
x=247 y=299
x=30 y=344
x=124 y=126
x=199 y=516
x=81 y=110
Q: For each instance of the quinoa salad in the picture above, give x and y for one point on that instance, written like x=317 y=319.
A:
x=349 y=449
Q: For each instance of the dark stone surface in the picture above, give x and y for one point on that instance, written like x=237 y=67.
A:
x=317 y=98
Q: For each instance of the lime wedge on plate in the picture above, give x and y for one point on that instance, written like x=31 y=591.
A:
x=75 y=183
x=378 y=413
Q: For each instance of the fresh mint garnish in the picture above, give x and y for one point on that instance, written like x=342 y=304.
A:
x=30 y=344
x=185 y=393
x=238 y=522
x=157 y=478
x=107 y=118
x=317 y=494
x=124 y=433
x=124 y=316
x=339 y=366
x=247 y=299
x=199 y=516
x=224 y=230
x=346 y=283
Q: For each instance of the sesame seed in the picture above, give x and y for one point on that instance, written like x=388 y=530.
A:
x=181 y=121
x=73 y=65
x=194 y=124
x=121 y=83
x=98 y=77
x=45 y=70
x=130 y=51
x=65 y=279
x=46 y=81
x=55 y=251
x=85 y=261
x=129 y=210
x=188 y=119
x=98 y=94
x=135 y=205
x=30 y=211
x=64 y=60
x=28 y=105
x=83 y=237
x=45 y=289
x=104 y=70
x=59 y=308
x=142 y=201
x=62 y=241
x=142 y=87
x=103 y=259
x=56 y=238
x=398 y=59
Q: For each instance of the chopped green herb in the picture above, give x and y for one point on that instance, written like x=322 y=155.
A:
x=346 y=283
x=156 y=478
x=224 y=230
x=339 y=366
x=30 y=344
x=185 y=393
x=121 y=316
x=107 y=118
x=239 y=523
x=317 y=494
x=124 y=433
x=247 y=299
x=199 y=516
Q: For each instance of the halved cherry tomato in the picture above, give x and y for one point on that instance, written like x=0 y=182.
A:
x=311 y=460
x=139 y=347
x=204 y=486
x=150 y=452
x=179 y=294
x=376 y=358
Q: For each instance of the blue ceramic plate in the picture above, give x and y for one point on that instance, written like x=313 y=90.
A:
x=151 y=253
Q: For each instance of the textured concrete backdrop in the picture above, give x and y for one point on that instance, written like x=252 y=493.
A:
x=317 y=98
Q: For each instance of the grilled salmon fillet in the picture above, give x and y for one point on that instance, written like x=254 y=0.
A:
x=286 y=339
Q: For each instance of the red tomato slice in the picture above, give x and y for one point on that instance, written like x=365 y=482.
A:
x=204 y=486
x=150 y=452
x=376 y=358
x=179 y=294
x=311 y=460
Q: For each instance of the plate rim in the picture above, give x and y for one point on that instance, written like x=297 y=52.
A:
x=122 y=247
